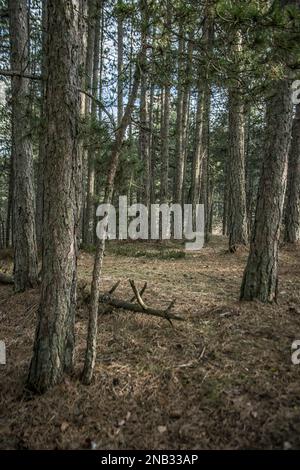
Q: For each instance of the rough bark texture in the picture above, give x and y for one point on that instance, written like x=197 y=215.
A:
x=24 y=236
x=237 y=212
x=292 y=214
x=54 y=341
x=261 y=274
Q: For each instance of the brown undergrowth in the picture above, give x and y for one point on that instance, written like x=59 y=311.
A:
x=222 y=379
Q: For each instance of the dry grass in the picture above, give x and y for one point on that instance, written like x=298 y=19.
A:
x=222 y=379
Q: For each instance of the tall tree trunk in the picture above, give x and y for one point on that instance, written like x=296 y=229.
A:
x=89 y=218
x=292 y=214
x=152 y=143
x=120 y=90
x=144 y=135
x=204 y=145
x=203 y=125
x=91 y=348
x=180 y=120
x=197 y=154
x=54 y=341
x=40 y=165
x=25 y=250
x=89 y=69
x=261 y=274
x=237 y=211
x=186 y=111
x=9 y=228
x=165 y=114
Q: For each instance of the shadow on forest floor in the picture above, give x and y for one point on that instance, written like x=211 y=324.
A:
x=222 y=379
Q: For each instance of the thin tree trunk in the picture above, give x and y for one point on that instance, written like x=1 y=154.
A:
x=237 y=212
x=144 y=135
x=237 y=208
x=91 y=348
x=89 y=74
x=120 y=64
x=180 y=121
x=205 y=190
x=225 y=198
x=197 y=155
x=40 y=165
x=54 y=341
x=89 y=219
x=25 y=249
x=292 y=214
x=165 y=115
x=9 y=218
x=205 y=174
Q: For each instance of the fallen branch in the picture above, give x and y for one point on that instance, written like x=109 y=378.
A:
x=139 y=307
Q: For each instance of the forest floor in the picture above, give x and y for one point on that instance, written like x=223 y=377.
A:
x=221 y=379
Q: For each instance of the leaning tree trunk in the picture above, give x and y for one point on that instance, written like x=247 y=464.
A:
x=292 y=215
x=91 y=348
x=261 y=274
x=54 y=341
x=25 y=250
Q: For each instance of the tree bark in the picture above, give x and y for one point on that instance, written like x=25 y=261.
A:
x=54 y=340
x=120 y=90
x=165 y=115
x=180 y=120
x=237 y=208
x=9 y=215
x=203 y=130
x=292 y=214
x=25 y=250
x=90 y=216
x=260 y=278
x=40 y=164
x=144 y=134
x=237 y=212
